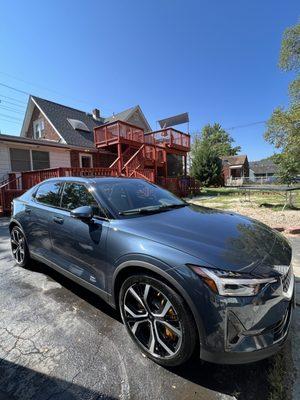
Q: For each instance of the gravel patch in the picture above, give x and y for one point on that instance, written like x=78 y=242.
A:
x=270 y=217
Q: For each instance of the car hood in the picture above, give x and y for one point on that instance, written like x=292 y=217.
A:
x=223 y=240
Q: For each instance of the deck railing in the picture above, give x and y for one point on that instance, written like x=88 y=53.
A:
x=170 y=137
x=181 y=186
x=109 y=133
x=118 y=130
x=31 y=178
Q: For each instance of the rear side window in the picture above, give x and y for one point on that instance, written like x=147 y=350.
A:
x=49 y=193
x=77 y=195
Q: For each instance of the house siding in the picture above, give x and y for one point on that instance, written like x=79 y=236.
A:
x=60 y=159
x=4 y=162
x=103 y=160
x=136 y=120
x=99 y=159
x=48 y=132
x=57 y=157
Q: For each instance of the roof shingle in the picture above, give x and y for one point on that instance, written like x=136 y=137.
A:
x=234 y=160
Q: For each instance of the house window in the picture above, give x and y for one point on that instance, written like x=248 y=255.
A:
x=38 y=127
x=86 y=160
x=20 y=160
x=28 y=160
x=40 y=160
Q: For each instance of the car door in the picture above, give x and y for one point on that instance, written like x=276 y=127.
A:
x=80 y=246
x=38 y=216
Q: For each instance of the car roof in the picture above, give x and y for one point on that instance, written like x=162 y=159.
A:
x=84 y=179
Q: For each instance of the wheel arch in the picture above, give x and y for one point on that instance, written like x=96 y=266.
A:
x=129 y=268
x=13 y=223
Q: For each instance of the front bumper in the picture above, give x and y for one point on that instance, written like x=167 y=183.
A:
x=249 y=355
x=244 y=330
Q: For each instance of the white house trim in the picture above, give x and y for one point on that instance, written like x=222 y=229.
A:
x=90 y=156
x=27 y=118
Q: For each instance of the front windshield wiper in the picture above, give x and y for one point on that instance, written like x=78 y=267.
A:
x=174 y=205
x=152 y=209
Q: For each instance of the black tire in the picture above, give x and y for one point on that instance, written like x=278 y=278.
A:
x=19 y=247
x=168 y=340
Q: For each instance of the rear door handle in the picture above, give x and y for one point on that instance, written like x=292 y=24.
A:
x=58 y=220
x=27 y=210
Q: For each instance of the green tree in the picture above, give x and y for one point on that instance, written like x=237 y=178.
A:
x=283 y=127
x=212 y=143
x=206 y=165
x=219 y=139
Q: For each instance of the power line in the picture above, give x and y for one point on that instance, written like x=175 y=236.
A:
x=13 y=98
x=13 y=88
x=245 y=126
x=7 y=120
x=9 y=116
x=11 y=103
x=42 y=87
x=12 y=110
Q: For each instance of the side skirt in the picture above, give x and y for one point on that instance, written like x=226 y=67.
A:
x=101 y=293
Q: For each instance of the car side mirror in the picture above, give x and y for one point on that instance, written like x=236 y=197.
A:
x=85 y=213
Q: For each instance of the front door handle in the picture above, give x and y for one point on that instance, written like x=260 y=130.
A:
x=27 y=210
x=58 y=220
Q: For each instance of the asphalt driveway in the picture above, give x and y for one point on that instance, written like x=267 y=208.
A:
x=59 y=341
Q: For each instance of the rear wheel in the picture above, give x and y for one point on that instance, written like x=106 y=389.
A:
x=158 y=320
x=19 y=246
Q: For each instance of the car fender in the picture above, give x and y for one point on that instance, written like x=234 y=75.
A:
x=166 y=274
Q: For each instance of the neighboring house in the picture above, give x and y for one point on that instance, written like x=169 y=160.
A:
x=54 y=135
x=235 y=169
x=262 y=171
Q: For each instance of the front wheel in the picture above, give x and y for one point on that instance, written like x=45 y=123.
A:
x=158 y=320
x=19 y=247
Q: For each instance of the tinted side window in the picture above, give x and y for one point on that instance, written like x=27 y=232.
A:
x=77 y=195
x=48 y=193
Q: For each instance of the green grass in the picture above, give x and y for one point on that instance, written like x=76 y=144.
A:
x=226 y=197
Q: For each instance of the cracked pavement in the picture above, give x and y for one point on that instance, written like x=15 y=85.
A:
x=59 y=341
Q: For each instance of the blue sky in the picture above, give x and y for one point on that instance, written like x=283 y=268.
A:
x=215 y=59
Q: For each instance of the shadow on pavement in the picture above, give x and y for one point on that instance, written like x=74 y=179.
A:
x=20 y=380
x=245 y=382
x=76 y=289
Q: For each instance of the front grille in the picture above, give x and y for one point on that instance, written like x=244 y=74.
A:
x=286 y=280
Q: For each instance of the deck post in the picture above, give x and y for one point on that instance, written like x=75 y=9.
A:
x=120 y=161
x=2 y=201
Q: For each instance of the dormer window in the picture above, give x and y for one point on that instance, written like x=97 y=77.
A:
x=38 y=127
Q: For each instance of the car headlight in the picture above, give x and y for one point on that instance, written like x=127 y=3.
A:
x=227 y=283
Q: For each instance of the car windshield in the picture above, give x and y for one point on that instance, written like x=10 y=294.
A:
x=133 y=197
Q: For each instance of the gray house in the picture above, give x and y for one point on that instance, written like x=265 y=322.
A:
x=262 y=171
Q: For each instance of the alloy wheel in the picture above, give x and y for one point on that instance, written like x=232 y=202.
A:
x=152 y=320
x=18 y=245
